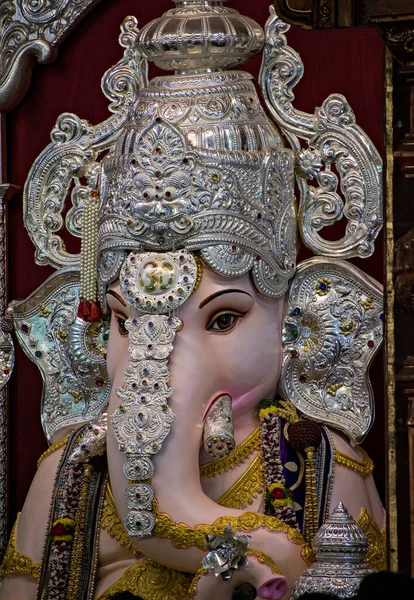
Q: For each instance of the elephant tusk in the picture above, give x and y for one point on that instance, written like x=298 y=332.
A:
x=218 y=434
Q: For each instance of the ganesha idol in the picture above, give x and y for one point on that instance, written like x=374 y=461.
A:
x=204 y=395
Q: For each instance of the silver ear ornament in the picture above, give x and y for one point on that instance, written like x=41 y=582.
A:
x=333 y=327
x=70 y=354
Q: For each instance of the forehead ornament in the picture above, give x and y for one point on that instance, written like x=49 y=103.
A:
x=158 y=283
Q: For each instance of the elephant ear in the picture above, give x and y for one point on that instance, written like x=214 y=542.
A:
x=332 y=329
x=70 y=353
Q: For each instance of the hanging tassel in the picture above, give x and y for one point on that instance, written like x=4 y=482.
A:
x=305 y=436
x=310 y=523
x=89 y=309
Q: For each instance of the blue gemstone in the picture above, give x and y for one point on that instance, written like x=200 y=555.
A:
x=156 y=385
x=38 y=354
x=259 y=216
x=126 y=281
x=296 y=311
x=150 y=324
x=381 y=316
x=145 y=371
x=322 y=286
x=186 y=279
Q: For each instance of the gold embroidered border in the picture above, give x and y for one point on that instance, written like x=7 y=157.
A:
x=264 y=560
x=246 y=488
x=53 y=448
x=113 y=525
x=365 y=467
x=77 y=546
x=237 y=456
x=16 y=563
x=182 y=536
x=151 y=581
x=377 y=548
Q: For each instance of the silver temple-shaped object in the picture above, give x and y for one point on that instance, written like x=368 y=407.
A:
x=340 y=548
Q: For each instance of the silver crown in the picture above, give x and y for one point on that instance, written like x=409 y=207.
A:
x=213 y=119
x=236 y=207
x=340 y=548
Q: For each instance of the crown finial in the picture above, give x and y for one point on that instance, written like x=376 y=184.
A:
x=200 y=36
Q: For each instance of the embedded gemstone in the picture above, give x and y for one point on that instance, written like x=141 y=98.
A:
x=370 y=344
x=38 y=354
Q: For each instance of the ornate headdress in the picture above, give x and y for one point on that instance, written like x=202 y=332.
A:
x=190 y=162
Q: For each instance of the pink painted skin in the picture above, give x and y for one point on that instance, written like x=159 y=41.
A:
x=239 y=355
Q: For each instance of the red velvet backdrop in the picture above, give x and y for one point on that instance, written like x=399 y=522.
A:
x=344 y=61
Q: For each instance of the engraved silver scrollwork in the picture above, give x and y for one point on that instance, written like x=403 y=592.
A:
x=333 y=327
x=143 y=420
x=158 y=192
x=334 y=140
x=340 y=548
x=75 y=149
x=69 y=353
x=29 y=32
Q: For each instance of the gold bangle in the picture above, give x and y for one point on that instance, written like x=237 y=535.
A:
x=364 y=467
x=53 y=448
x=236 y=457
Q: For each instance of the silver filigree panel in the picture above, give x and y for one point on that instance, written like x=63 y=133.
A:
x=70 y=353
x=333 y=327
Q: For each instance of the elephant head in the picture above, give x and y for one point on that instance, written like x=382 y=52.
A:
x=228 y=342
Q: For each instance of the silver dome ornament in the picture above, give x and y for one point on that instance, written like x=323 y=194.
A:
x=340 y=548
x=200 y=35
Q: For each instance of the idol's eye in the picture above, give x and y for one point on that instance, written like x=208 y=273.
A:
x=224 y=321
x=121 y=326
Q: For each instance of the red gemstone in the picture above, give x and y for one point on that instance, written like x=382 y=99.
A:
x=168 y=194
x=294 y=353
x=158 y=150
x=234 y=247
x=158 y=173
x=25 y=329
x=370 y=344
x=302 y=378
x=6 y=371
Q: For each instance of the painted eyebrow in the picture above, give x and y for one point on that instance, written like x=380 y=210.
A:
x=117 y=296
x=217 y=294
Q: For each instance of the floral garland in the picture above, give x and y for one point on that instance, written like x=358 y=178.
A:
x=278 y=498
